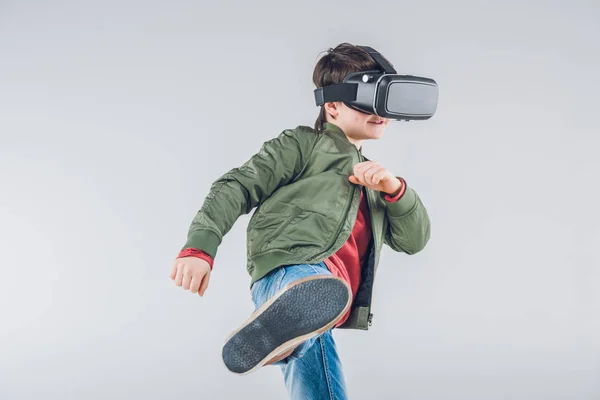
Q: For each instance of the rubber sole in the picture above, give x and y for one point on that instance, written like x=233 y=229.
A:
x=303 y=309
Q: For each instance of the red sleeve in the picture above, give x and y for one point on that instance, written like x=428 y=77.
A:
x=397 y=197
x=196 y=253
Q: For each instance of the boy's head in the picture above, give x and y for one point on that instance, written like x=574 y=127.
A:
x=332 y=68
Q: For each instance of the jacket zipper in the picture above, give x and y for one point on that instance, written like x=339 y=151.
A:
x=374 y=249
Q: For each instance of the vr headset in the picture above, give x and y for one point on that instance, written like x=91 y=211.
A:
x=384 y=92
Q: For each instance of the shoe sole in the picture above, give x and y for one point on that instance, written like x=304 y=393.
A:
x=303 y=309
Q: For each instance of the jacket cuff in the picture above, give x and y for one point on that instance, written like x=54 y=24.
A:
x=392 y=199
x=405 y=203
x=204 y=240
x=190 y=252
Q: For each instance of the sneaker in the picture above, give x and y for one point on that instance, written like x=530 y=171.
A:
x=303 y=309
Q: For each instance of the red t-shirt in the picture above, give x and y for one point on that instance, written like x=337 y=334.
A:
x=347 y=262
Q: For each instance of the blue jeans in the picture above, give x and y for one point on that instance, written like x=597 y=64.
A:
x=314 y=369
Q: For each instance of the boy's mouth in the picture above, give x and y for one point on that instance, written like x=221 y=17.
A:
x=376 y=122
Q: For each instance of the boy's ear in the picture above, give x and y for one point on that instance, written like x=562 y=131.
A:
x=332 y=108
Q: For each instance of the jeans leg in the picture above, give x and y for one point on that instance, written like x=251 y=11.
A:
x=314 y=369
x=318 y=374
x=266 y=287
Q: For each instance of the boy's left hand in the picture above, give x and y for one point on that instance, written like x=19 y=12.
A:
x=375 y=177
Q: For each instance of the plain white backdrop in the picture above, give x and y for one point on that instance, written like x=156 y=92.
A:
x=116 y=117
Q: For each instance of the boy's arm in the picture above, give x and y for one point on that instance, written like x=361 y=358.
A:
x=407 y=222
x=241 y=189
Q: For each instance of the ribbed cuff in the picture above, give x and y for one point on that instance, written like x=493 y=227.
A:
x=404 y=205
x=391 y=199
x=204 y=240
x=190 y=252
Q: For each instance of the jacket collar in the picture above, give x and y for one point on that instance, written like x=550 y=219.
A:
x=328 y=126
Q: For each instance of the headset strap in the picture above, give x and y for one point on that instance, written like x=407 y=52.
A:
x=379 y=59
x=336 y=92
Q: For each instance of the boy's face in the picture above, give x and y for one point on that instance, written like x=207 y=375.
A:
x=356 y=125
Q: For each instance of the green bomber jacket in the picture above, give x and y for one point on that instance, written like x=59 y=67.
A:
x=305 y=209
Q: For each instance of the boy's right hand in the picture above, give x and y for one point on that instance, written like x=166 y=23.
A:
x=191 y=273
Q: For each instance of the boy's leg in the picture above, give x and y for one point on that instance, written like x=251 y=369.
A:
x=294 y=305
x=318 y=374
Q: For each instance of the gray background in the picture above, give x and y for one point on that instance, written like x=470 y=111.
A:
x=116 y=116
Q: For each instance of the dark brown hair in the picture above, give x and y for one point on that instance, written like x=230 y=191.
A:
x=335 y=65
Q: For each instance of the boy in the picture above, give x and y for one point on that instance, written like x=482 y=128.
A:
x=323 y=213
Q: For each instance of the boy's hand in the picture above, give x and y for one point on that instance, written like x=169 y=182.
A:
x=191 y=273
x=375 y=177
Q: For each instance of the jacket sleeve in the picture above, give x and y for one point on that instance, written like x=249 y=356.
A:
x=242 y=188
x=407 y=223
